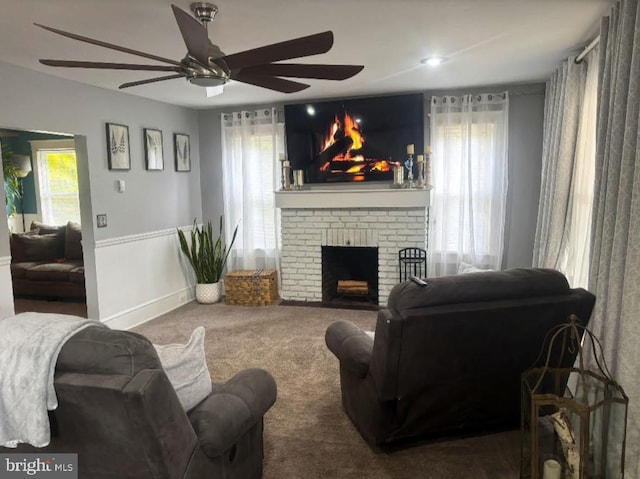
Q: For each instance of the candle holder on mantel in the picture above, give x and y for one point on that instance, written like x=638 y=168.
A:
x=427 y=168
x=420 y=161
x=409 y=166
x=286 y=174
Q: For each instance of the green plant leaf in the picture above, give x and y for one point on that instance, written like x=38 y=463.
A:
x=206 y=252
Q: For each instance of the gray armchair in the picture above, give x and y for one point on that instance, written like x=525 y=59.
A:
x=120 y=414
x=447 y=357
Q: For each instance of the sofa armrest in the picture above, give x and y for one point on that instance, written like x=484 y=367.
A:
x=351 y=345
x=232 y=409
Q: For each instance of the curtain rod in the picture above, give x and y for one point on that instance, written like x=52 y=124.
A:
x=587 y=49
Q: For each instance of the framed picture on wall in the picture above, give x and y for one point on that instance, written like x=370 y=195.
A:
x=153 y=155
x=118 y=147
x=182 y=152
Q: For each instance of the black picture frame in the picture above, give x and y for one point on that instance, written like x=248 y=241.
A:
x=153 y=149
x=118 y=149
x=182 y=152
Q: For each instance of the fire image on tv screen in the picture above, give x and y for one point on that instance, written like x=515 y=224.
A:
x=353 y=140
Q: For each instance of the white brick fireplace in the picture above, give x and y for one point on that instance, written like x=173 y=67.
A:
x=387 y=219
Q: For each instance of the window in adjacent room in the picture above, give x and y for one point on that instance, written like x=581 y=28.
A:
x=57 y=181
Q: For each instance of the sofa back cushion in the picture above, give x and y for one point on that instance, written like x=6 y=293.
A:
x=73 y=241
x=107 y=351
x=34 y=247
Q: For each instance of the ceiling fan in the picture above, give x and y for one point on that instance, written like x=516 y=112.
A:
x=207 y=66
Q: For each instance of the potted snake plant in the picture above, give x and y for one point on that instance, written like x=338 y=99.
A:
x=207 y=254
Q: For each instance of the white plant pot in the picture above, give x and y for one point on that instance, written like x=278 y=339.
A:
x=208 y=293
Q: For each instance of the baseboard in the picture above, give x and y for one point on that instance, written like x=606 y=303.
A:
x=150 y=310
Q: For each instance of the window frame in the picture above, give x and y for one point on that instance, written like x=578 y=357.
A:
x=36 y=147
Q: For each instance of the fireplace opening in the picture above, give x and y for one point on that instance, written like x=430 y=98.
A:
x=349 y=275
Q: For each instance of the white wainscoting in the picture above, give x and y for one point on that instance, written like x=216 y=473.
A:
x=141 y=277
x=6 y=288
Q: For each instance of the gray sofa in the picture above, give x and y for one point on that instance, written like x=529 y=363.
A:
x=120 y=414
x=447 y=358
x=47 y=262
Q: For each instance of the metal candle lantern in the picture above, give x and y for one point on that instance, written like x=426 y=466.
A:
x=573 y=419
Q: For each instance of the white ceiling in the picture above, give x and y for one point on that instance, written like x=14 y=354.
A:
x=487 y=42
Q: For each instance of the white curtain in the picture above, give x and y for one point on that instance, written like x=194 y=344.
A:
x=469 y=138
x=251 y=144
x=568 y=168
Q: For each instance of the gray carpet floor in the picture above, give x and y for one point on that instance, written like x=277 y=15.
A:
x=307 y=434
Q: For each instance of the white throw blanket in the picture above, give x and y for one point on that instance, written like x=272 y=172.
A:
x=29 y=348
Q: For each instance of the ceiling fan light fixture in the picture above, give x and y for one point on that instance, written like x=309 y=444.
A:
x=207 y=80
x=433 y=61
x=214 y=90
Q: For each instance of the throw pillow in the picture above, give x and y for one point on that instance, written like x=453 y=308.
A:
x=186 y=368
x=73 y=241
x=44 y=229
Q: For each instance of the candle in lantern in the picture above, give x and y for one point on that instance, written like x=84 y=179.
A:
x=420 y=158
x=552 y=469
x=410 y=149
x=428 y=151
x=286 y=163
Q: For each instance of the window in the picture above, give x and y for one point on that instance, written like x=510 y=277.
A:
x=469 y=165
x=57 y=181
x=251 y=141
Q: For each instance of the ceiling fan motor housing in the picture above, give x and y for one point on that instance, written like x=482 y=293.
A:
x=204 y=11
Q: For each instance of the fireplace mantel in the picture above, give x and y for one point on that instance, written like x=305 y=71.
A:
x=361 y=198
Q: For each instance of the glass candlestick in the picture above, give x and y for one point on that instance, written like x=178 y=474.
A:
x=409 y=166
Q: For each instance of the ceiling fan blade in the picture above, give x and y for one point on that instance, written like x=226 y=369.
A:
x=296 y=48
x=194 y=35
x=150 y=80
x=272 y=83
x=108 y=45
x=300 y=70
x=108 y=66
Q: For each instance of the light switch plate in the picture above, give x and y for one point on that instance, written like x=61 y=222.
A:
x=101 y=220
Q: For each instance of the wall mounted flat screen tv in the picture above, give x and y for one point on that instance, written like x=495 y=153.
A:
x=353 y=140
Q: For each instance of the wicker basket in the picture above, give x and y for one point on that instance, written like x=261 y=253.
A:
x=251 y=288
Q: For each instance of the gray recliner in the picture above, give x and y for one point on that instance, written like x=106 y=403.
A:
x=120 y=414
x=447 y=357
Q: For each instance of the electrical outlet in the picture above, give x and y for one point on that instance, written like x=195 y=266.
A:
x=101 y=220
x=182 y=298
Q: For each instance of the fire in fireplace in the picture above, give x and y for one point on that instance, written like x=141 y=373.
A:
x=343 y=152
x=349 y=275
x=353 y=140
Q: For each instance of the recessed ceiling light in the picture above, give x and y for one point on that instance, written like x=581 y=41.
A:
x=433 y=61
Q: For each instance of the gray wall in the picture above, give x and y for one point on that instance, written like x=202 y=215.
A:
x=526 y=108
x=153 y=200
